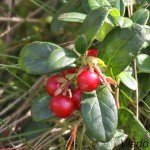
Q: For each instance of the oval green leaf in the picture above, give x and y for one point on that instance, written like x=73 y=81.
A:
x=118 y=138
x=123 y=22
x=72 y=17
x=143 y=63
x=133 y=127
x=121 y=44
x=105 y=29
x=100 y=114
x=89 y=5
x=61 y=58
x=140 y=16
x=58 y=25
x=34 y=57
x=93 y=23
x=120 y=5
x=93 y=4
x=81 y=44
x=128 y=80
x=40 y=110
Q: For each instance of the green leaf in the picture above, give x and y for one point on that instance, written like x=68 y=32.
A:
x=128 y=80
x=40 y=109
x=140 y=16
x=81 y=44
x=72 y=17
x=118 y=138
x=144 y=85
x=133 y=127
x=93 y=22
x=89 y=5
x=123 y=22
x=100 y=114
x=142 y=4
x=105 y=29
x=108 y=25
x=120 y=5
x=57 y=25
x=93 y=4
x=34 y=57
x=121 y=44
x=61 y=58
x=143 y=63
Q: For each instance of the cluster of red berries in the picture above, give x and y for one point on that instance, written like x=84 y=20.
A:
x=64 y=98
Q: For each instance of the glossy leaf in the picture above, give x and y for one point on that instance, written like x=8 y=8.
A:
x=100 y=114
x=93 y=4
x=34 y=57
x=81 y=43
x=61 y=58
x=143 y=63
x=108 y=25
x=140 y=16
x=118 y=138
x=72 y=6
x=92 y=23
x=105 y=29
x=121 y=44
x=143 y=85
x=120 y=5
x=72 y=17
x=114 y=12
x=133 y=127
x=128 y=80
x=40 y=109
x=123 y=22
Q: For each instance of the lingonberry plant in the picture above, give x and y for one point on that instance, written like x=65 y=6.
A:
x=97 y=82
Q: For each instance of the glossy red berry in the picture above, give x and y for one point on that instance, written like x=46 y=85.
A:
x=52 y=85
x=77 y=96
x=88 y=81
x=92 y=52
x=69 y=71
x=61 y=106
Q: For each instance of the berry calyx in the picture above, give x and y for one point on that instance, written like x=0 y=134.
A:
x=62 y=106
x=76 y=97
x=88 y=81
x=69 y=71
x=92 y=52
x=52 y=84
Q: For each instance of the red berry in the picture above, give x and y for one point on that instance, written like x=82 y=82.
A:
x=61 y=106
x=88 y=81
x=77 y=96
x=69 y=71
x=52 y=84
x=92 y=52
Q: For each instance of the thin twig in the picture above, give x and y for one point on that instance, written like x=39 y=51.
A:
x=24 y=95
x=18 y=19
